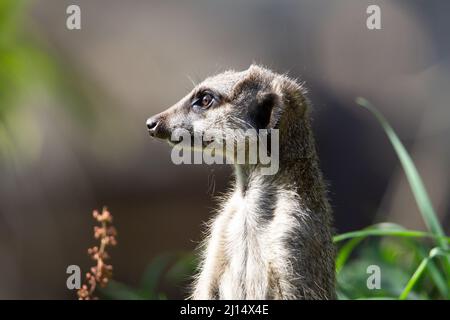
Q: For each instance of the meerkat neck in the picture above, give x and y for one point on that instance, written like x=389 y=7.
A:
x=299 y=164
x=243 y=174
x=298 y=170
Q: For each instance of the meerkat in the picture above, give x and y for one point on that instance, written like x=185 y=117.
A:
x=272 y=236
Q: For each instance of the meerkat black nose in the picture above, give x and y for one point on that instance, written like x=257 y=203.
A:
x=157 y=127
x=152 y=123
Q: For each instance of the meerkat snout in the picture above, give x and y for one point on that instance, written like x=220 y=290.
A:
x=157 y=127
x=151 y=125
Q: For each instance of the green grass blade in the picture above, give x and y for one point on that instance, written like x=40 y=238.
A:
x=419 y=271
x=380 y=229
x=377 y=298
x=435 y=273
x=387 y=229
x=345 y=252
x=415 y=277
x=414 y=179
x=387 y=232
x=420 y=194
x=356 y=237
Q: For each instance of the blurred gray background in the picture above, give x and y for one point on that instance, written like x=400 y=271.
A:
x=73 y=106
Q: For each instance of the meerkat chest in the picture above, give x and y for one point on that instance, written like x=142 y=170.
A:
x=248 y=251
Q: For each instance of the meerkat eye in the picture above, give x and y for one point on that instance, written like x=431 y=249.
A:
x=204 y=101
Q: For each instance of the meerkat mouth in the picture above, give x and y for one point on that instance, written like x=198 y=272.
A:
x=193 y=140
x=204 y=143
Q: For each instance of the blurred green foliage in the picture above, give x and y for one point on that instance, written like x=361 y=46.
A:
x=28 y=71
x=166 y=270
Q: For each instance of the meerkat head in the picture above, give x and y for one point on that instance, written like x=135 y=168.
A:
x=255 y=98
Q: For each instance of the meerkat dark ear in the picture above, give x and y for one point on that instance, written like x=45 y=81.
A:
x=262 y=111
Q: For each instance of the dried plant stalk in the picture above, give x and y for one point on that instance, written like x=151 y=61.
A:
x=101 y=273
